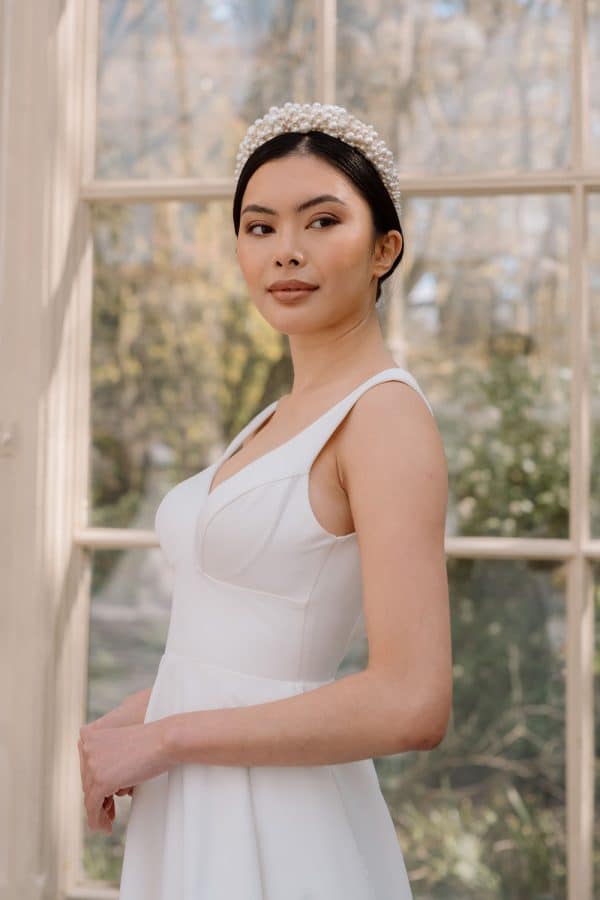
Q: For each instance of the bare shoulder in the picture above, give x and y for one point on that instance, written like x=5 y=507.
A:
x=390 y=435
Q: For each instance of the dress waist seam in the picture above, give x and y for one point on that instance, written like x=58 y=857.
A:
x=252 y=676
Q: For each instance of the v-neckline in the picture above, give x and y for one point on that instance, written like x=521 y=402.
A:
x=234 y=446
x=272 y=408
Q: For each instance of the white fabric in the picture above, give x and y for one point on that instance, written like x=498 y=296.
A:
x=265 y=605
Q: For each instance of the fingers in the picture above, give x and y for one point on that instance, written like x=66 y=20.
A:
x=106 y=821
x=100 y=818
x=109 y=807
x=108 y=811
x=100 y=812
x=97 y=819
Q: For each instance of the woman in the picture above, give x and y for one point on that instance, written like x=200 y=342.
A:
x=323 y=520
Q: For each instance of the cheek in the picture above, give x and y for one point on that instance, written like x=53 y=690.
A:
x=347 y=252
x=248 y=258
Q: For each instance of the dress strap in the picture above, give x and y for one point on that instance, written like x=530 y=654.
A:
x=252 y=426
x=303 y=448
x=324 y=428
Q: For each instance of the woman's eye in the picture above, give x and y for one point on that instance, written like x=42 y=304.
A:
x=250 y=228
x=328 y=220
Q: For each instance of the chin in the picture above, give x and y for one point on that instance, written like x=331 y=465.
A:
x=302 y=318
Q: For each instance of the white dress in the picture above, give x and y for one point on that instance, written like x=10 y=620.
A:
x=265 y=605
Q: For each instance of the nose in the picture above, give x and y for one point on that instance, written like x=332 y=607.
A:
x=292 y=259
x=289 y=255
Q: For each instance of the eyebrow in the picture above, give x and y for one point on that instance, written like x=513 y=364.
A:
x=255 y=207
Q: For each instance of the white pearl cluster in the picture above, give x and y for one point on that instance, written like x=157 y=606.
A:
x=333 y=120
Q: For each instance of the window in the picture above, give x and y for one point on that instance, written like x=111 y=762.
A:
x=490 y=113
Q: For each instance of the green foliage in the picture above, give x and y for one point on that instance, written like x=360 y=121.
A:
x=482 y=815
x=463 y=848
x=509 y=458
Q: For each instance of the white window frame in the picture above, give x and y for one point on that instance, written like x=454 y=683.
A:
x=48 y=56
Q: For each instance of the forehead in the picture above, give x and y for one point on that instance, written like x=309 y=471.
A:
x=290 y=179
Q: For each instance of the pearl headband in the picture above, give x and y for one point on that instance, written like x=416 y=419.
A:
x=333 y=120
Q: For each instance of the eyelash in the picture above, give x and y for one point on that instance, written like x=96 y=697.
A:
x=249 y=228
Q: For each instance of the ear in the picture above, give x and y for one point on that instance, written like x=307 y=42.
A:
x=387 y=248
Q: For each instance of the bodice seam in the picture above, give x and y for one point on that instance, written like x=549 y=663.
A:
x=335 y=538
x=298 y=604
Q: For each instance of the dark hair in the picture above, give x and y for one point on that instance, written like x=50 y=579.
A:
x=344 y=157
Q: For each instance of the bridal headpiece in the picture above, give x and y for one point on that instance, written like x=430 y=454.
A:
x=333 y=120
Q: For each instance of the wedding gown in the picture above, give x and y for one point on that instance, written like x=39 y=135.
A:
x=265 y=605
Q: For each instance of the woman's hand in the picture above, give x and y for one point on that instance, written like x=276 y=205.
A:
x=113 y=718
x=113 y=761
x=131 y=711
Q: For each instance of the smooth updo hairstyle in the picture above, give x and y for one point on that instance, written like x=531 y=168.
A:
x=344 y=157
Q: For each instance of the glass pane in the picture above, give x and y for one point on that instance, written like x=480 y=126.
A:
x=478 y=310
x=483 y=815
x=130 y=607
x=457 y=88
x=594 y=289
x=593 y=11
x=179 y=82
x=181 y=360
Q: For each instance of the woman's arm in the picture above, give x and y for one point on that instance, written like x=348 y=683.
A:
x=362 y=715
x=131 y=711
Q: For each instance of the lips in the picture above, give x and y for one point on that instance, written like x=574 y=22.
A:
x=292 y=285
